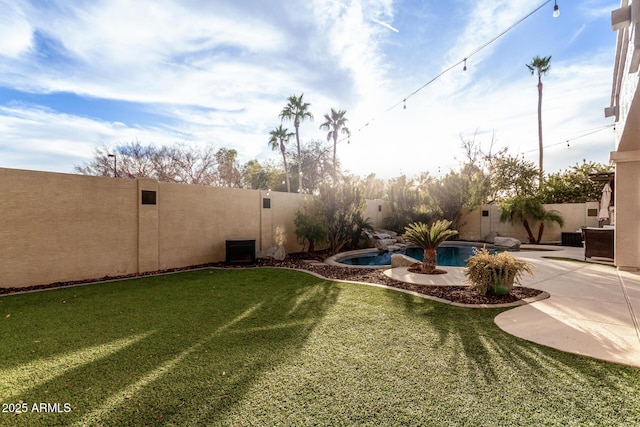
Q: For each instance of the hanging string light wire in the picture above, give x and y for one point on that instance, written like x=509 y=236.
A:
x=446 y=70
x=565 y=141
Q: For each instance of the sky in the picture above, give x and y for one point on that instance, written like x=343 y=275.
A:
x=78 y=75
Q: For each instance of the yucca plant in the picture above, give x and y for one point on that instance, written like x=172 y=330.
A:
x=428 y=238
x=495 y=273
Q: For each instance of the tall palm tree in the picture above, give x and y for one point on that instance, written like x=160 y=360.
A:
x=429 y=238
x=297 y=111
x=279 y=138
x=540 y=66
x=335 y=123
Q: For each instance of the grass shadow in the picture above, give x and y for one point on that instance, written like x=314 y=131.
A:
x=206 y=337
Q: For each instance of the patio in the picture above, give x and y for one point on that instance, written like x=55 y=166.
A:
x=590 y=310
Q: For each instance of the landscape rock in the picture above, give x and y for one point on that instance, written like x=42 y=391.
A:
x=507 y=242
x=267 y=253
x=400 y=260
x=280 y=254
x=490 y=238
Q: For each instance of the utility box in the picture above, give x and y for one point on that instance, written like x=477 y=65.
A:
x=240 y=251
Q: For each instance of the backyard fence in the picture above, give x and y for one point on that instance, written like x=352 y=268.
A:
x=62 y=227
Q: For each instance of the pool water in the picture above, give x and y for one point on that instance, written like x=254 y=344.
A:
x=450 y=255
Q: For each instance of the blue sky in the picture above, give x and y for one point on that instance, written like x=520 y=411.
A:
x=75 y=75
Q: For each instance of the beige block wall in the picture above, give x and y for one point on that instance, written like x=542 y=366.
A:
x=280 y=217
x=377 y=210
x=475 y=226
x=196 y=220
x=59 y=227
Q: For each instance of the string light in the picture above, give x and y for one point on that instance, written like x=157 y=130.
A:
x=556 y=9
x=465 y=65
x=463 y=61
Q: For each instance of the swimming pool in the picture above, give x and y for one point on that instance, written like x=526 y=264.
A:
x=447 y=254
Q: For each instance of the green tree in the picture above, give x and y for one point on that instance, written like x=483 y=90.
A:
x=429 y=238
x=316 y=165
x=540 y=66
x=335 y=123
x=279 y=138
x=454 y=194
x=528 y=211
x=310 y=230
x=409 y=201
x=340 y=207
x=297 y=111
x=574 y=185
x=512 y=177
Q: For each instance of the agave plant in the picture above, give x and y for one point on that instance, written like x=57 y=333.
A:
x=428 y=238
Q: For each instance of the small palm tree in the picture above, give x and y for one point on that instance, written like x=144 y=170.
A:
x=335 y=123
x=540 y=66
x=526 y=209
x=279 y=138
x=428 y=238
x=297 y=111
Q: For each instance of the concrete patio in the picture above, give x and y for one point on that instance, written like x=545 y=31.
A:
x=591 y=310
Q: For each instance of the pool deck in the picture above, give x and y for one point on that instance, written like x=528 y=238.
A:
x=592 y=309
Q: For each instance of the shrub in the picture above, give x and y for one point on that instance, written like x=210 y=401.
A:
x=495 y=273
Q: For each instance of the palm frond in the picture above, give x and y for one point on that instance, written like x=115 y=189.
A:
x=425 y=237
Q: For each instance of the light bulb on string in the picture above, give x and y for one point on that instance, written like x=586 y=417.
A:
x=568 y=146
x=404 y=101
x=465 y=65
x=556 y=9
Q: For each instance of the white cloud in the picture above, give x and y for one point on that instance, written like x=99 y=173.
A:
x=221 y=73
x=15 y=31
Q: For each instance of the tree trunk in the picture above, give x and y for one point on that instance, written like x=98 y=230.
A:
x=429 y=261
x=335 y=143
x=297 y=125
x=529 y=232
x=540 y=231
x=540 y=147
x=286 y=169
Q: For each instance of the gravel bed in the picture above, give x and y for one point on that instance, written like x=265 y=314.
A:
x=456 y=294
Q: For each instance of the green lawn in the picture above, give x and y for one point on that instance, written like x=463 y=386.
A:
x=278 y=347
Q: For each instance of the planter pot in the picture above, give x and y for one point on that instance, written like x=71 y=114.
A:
x=499 y=289
x=501 y=285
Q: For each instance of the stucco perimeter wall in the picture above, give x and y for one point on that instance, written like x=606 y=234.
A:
x=58 y=227
x=377 y=210
x=476 y=226
x=61 y=227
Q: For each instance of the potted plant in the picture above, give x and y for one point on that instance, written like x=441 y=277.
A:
x=495 y=273
x=428 y=238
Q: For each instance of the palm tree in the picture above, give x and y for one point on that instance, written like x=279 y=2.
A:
x=279 y=138
x=298 y=111
x=540 y=66
x=428 y=238
x=335 y=123
x=526 y=209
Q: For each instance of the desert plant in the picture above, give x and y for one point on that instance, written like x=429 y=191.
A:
x=310 y=230
x=495 y=273
x=428 y=238
x=360 y=224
